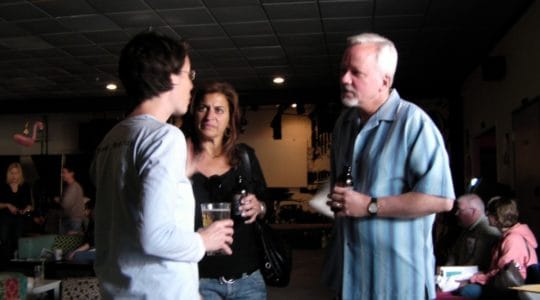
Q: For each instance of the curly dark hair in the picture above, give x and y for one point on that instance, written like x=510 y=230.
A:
x=146 y=64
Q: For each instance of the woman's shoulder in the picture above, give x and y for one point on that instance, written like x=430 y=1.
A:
x=244 y=147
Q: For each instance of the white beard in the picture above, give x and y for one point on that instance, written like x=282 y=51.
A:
x=350 y=102
x=349 y=97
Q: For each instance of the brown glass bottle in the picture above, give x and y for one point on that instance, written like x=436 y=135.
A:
x=344 y=180
x=240 y=191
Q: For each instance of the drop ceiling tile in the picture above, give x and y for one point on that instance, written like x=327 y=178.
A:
x=47 y=53
x=171 y=4
x=114 y=49
x=25 y=43
x=230 y=53
x=137 y=19
x=86 y=51
x=60 y=8
x=109 y=69
x=398 y=22
x=210 y=43
x=285 y=1
x=265 y=62
x=398 y=7
x=100 y=60
x=66 y=39
x=273 y=70
x=13 y=56
x=45 y=26
x=21 y=11
x=188 y=16
x=108 y=6
x=309 y=60
x=238 y=71
x=303 y=50
x=249 y=28
x=261 y=52
x=338 y=37
x=10 y=30
x=50 y=72
x=108 y=37
x=252 y=13
x=303 y=10
x=297 y=26
x=336 y=50
x=347 y=24
x=200 y=31
x=307 y=40
x=88 y=23
x=228 y=63
x=166 y=30
x=230 y=3
x=346 y=9
x=255 y=41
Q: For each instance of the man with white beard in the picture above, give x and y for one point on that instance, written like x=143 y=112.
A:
x=401 y=179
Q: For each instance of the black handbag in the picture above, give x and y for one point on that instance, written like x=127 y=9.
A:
x=508 y=276
x=275 y=255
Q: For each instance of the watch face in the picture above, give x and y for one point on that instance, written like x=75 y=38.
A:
x=372 y=208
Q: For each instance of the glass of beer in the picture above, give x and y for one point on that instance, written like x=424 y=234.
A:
x=212 y=212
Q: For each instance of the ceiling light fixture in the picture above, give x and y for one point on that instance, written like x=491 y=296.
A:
x=278 y=80
x=111 y=87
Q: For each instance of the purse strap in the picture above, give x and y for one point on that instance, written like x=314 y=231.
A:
x=244 y=158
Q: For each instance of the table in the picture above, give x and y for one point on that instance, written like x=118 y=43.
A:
x=53 y=269
x=43 y=286
x=528 y=291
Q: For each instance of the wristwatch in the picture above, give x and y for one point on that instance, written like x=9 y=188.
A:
x=373 y=208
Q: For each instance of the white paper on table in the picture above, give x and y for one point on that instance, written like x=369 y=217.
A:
x=450 y=277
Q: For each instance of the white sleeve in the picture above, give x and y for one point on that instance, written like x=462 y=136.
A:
x=167 y=206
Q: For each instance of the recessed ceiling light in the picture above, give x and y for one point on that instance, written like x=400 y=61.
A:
x=111 y=87
x=278 y=80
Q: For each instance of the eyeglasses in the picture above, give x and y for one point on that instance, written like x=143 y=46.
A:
x=191 y=74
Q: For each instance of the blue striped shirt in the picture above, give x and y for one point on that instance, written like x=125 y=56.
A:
x=398 y=150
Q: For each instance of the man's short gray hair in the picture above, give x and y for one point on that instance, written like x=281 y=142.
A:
x=387 y=55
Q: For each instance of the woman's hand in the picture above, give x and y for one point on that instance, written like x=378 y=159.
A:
x=251 y=208
x=12 y=209
x=480 y=278
x=26 y=210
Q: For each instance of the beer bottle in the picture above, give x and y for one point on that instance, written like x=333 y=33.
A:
x=240 y=191
x=344 y=180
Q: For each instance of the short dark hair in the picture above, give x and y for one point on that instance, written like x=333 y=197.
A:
x=230 y=139
x=504 y=210
x=146 y=64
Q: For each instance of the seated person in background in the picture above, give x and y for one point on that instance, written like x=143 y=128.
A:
x=517 y=244
x=86 y=252
x=477 y=239
x=15 y=204
x=72 y=203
